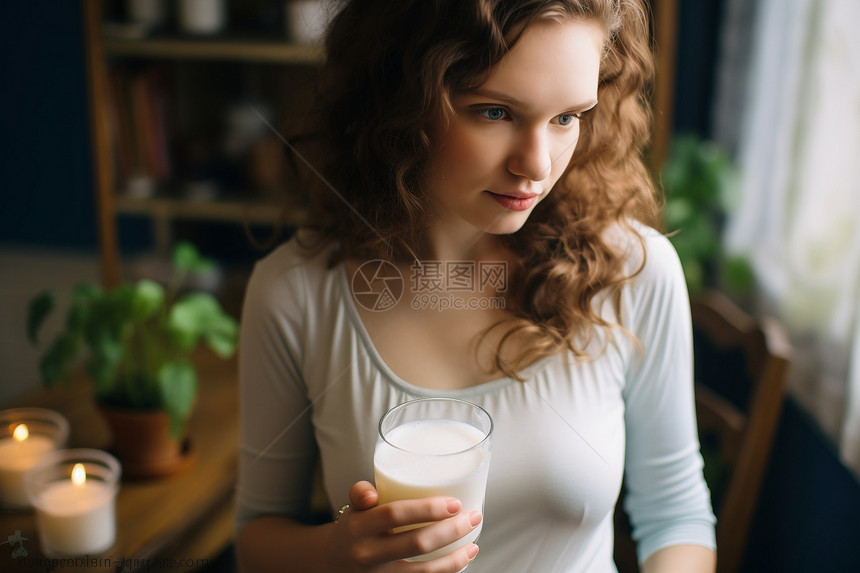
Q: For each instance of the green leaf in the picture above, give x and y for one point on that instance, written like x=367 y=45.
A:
x=81 y=300
x=199 y=315
x=222 y=336
x=678 y=212
x=106 y=355
x=177 y=383
x=147 y=299
x=111 y=313
x=739 y=275
x=77 y=316
x=195 y=315
x=187 y=258
x=185 y=321
x=40 y=307
x=57 y=360
x=694 y=275
x=120 y=304
x=85 y=293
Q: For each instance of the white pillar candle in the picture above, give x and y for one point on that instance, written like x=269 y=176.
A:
x=75 y=515
x=26 y=436
x=17 y=455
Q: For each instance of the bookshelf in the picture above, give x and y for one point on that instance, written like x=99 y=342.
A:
x=161 y=107
x=237 y=49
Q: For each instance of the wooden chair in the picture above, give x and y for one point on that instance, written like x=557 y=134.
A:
x=740 y=371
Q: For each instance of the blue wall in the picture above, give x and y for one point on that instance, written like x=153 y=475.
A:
x=809 y=512
x=46 y=181
x=695 y=73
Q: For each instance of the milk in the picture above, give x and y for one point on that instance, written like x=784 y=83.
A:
x=432 y=457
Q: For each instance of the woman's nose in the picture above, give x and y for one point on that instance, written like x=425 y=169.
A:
x=531 y=157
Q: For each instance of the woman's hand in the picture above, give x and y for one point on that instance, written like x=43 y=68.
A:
x=363 y=541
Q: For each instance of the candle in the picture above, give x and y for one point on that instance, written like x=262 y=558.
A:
x=74 y=494
x=32 y=433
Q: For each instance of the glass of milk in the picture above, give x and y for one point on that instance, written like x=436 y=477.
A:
x=430 y=447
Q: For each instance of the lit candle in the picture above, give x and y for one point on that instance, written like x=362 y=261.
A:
x=75 y=515
x=27 y=435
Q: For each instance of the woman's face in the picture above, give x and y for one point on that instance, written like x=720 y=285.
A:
x=510 y=139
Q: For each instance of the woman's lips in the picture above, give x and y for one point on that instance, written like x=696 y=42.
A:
x=513 y=203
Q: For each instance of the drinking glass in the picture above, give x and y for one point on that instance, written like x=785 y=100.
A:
x=432 y=447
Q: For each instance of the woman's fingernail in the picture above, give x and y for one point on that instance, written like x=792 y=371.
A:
x=472 y=551
x=454 y=505
x=474 y=517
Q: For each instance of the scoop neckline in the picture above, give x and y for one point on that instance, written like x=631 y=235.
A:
x=478 y=389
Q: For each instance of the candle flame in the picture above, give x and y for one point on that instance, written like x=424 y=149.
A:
x=20 y=433
x=79 y=475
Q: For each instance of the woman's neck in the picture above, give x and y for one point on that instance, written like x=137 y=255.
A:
x=459 y=243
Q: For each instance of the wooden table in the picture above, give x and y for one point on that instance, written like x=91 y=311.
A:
x=174 y=523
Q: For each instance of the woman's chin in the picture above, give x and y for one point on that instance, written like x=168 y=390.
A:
x=507 y=225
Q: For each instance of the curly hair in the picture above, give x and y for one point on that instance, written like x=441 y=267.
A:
x=391 y=65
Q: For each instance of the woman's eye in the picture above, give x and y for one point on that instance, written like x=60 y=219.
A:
x=493 y=113
x=567 y=118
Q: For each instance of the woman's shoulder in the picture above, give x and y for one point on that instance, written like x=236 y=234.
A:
x=648 y=254
x=301 y=253
x=656 y=289
x=298 y=264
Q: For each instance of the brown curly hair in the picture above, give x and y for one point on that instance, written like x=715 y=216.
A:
x=391 y=65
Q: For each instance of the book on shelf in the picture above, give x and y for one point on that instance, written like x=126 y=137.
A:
x=139 y=128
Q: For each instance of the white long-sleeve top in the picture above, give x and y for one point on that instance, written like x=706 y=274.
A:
x=314 y=385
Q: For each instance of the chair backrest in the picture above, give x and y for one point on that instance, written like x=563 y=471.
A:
x=741 y=367
x=740 y=371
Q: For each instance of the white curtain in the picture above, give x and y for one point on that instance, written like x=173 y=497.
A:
x=798 y=212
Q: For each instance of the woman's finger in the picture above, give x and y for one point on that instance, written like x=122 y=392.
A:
x=402 y=513
x=423 y=539
x=451 y=563
x=362 y=495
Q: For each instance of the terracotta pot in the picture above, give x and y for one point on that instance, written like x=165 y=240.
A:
x=142 y=442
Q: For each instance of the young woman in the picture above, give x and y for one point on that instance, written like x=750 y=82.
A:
x=482 y=227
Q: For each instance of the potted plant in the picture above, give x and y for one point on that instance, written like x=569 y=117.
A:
x=136 y=341
x=698 y=178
